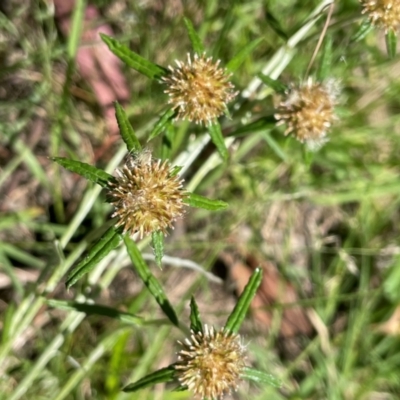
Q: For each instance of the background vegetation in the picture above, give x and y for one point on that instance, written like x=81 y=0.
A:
x=325 y=227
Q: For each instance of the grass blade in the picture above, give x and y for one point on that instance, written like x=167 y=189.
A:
x=362 y=31
x=218 y=139
x=195 y=200
x=275 y=85
x=158 y=246
x=239 y=312
x=195 y=321
x=161 y=123
x=108 y=242
x=260 y=377
x=95 y=309
x=194 y=37
x=126 y=130
x=391 y=43
x=132 y=59
x=162 y=375
x=242 y=55
x=89 y=172
x=326 y=60
x=150 y=280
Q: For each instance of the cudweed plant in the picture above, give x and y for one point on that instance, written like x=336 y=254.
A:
x=212 y=362
x=148 y=196
x=148 y=193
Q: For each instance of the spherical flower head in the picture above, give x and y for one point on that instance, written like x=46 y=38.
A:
x=210 y=363
x=199 y=90
x=147 y=195
x=384 y=14
x=308 y=111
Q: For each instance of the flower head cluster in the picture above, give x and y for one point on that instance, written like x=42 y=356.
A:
x=199 y=89
x=384 y=14
x=308 y=111
x=147 y=195
x=210 y=363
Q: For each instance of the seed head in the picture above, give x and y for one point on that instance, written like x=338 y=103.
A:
x=308 y=111
x=384 y=14
x=199 y=89
x=147 y=195
x=210 y=363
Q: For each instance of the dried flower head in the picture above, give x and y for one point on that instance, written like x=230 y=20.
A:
x=383 y=14
x=308 y=111
x=147 y=195
x=199 y=89
x=210 y=363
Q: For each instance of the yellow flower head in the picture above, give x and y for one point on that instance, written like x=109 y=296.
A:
x=147 y=195
x=210 y=363
x=384 y=14
x=308 y=111
x=199 y=90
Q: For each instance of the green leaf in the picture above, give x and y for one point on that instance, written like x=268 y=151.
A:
x=195 y=321
x=243 y=54
x=261 y=124
x=326 y=60
x=216 y=136
x=126 y=130
x=89 y=172
x=162 y=375
x=195 y=200
x=194 y=37
x=108 y=242
x=391 y=43
x=274 y=145
x=95 y=309
x=150 y=280
x=391 y=284
x=260 y=377
x=161 y=123
x=273 y=84
x=239 y=312
x=362 y=31
x=276 y=26
x=133 y=60
x=175 y=170
x=157 y=238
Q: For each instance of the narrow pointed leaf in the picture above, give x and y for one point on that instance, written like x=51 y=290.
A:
x=243 y=54
x=362 y=31
x=158 y=246
x=260 y=377
x=162 y=375
x=274 y=145
x=218 y=139
x=175 y=170
x=276 y=26
x=261 y=124
x=108 y=242
x=391 y=43
x=95 y=309
x=239 y=312
x=161 y=123
x=326 y=59
x=194 y=37
x=132 y=59
x=89 y=172
x=195 y=321
x=150 y=280
x=273 y=84
x=126 y=130
x=195 y=200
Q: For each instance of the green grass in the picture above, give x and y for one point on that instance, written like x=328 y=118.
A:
x=328 y=221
